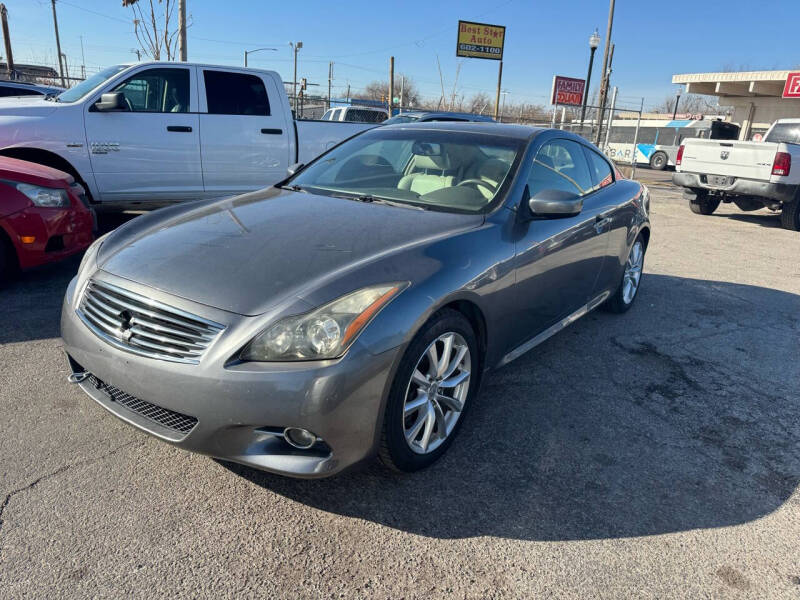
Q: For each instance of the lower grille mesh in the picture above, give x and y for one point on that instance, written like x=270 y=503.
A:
x=162 y=416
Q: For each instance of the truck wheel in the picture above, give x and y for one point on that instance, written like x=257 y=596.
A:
x=790 y=215
x=659 y=161
x=702 y=204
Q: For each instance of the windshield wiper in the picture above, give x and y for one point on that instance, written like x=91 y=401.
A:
x=294 y=188
x=380 y=200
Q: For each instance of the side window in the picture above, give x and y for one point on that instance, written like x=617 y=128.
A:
x=235 y=94
x=157 y=90
x=601 y=170
x=560 y=165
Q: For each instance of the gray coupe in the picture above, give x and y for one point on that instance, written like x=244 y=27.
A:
x=353 y=309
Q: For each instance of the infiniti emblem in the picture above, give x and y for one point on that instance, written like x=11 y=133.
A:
x=125 y=326
x=724 y=155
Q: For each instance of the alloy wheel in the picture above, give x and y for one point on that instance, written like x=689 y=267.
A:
x=436 y=393
x=633 y=272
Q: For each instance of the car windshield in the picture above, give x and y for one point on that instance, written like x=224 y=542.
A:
x=788 y=133
x=401 y=119
x=87 y=85
x=453 y=171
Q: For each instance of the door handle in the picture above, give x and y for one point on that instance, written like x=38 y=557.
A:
x=600 y=223
x=179 y=128
x=272 y=131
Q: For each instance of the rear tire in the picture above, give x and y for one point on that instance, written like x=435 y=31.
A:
x=404 y=446
x=701 y=203
x=659 y=161
x=790 y=215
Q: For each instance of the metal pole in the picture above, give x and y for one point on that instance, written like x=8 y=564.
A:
x=588 y=81
x=294 y=79
x=677 y=99
x=402 y=90
x=58 y=44
x=553 y=122
x=182 y=29
x=497 y=96
x=611 y=114
x=563 y=116
x=391 y=84
x=636 y=140
x=245 y=58
x=83 y=61
x=330 y=77
x=66 y=66
x=604 y=82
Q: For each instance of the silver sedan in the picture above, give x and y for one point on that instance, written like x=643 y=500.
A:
x=353 y=309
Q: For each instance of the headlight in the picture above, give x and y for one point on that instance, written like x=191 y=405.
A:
x=44 y=196
x=88 y=263
x=326 y=332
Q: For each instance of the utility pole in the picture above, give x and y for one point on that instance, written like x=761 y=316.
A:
x=330 y=78
x=182 y=29
x=497 y=96
x=295 y=47
x=391 y=84
x=604 y=72
x=58 y=44
x=7 y=40
x=83 y=60
x=602 y=107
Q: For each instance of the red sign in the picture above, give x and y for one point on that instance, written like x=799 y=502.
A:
x=567 y=90
x=792 y=87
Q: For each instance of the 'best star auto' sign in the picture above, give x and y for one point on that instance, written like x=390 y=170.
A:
x=567 y=90
x=792 y=87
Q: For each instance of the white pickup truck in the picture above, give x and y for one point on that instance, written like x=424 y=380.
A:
x=752 y=175
x=147 y=134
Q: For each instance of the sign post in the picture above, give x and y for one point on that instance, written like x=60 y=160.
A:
x=480 y=40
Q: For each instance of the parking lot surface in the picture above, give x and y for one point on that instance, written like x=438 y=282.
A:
x=653 y=454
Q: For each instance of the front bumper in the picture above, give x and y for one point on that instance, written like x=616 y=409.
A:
x=58 y=233
x=779 y=192
x=240 y=408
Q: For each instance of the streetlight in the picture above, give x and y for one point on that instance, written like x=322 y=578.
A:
x=503 y=108
x=246 y=52
x=594 y=42
x=295 y=47
x=677 y=99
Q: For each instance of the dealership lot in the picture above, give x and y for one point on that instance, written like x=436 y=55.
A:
x=652 y=454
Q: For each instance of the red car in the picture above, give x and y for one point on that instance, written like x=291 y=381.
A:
x=44 y=216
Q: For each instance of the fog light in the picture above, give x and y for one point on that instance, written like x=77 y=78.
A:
x=27 y=239
x=299 y=438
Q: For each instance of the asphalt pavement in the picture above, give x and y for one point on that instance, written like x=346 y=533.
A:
x=652 y=454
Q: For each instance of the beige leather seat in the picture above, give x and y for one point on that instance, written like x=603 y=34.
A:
x=421 y=180
x=492 y=171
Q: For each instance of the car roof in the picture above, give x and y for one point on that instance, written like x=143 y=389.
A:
x=520 y=132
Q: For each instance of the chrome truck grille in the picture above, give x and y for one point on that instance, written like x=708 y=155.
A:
x=143 y=326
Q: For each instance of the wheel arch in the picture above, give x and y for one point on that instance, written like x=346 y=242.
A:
x=46 y=158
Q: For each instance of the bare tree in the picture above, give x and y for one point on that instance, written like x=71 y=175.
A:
x=689 y=103
x=152 y=24
x=378 y=90
x=480 y=103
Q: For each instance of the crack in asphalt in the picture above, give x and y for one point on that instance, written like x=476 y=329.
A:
x=52 y=474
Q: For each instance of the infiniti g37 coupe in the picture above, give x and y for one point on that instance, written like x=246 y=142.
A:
x=352 y=309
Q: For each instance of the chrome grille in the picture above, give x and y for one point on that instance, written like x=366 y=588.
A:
x=158 y=414
x=144 y=326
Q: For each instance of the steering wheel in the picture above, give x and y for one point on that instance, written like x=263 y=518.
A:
x=478 y=182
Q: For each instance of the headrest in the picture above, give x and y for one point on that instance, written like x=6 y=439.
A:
x=439 y=162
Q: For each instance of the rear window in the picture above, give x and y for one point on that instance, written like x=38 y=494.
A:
x=235 y=94
x=364 y=116
x=784 y=132
x=15 y=91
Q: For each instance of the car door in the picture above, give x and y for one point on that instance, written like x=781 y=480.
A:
x=151 y=150
x=557 y=259
x=244 y=135
x=617 y=213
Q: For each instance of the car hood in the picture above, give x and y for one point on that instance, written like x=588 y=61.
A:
x=26 y=106
x=245 y=254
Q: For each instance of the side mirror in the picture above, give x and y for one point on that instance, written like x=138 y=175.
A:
x=294 y=169
x=112 y=101
x=553 y=204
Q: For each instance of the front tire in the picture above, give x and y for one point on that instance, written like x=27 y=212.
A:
x=659 y=161
x=790 y=215
x=627 y=290
x=434 y=386
x=701 y=203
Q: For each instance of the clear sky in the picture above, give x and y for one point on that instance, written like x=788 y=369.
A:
x=653 y=39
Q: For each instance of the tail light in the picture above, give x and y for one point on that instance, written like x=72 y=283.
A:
x=679 y=158
x=782 y=164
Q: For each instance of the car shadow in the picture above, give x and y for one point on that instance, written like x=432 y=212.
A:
x=681 y=414
x=772 y=220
